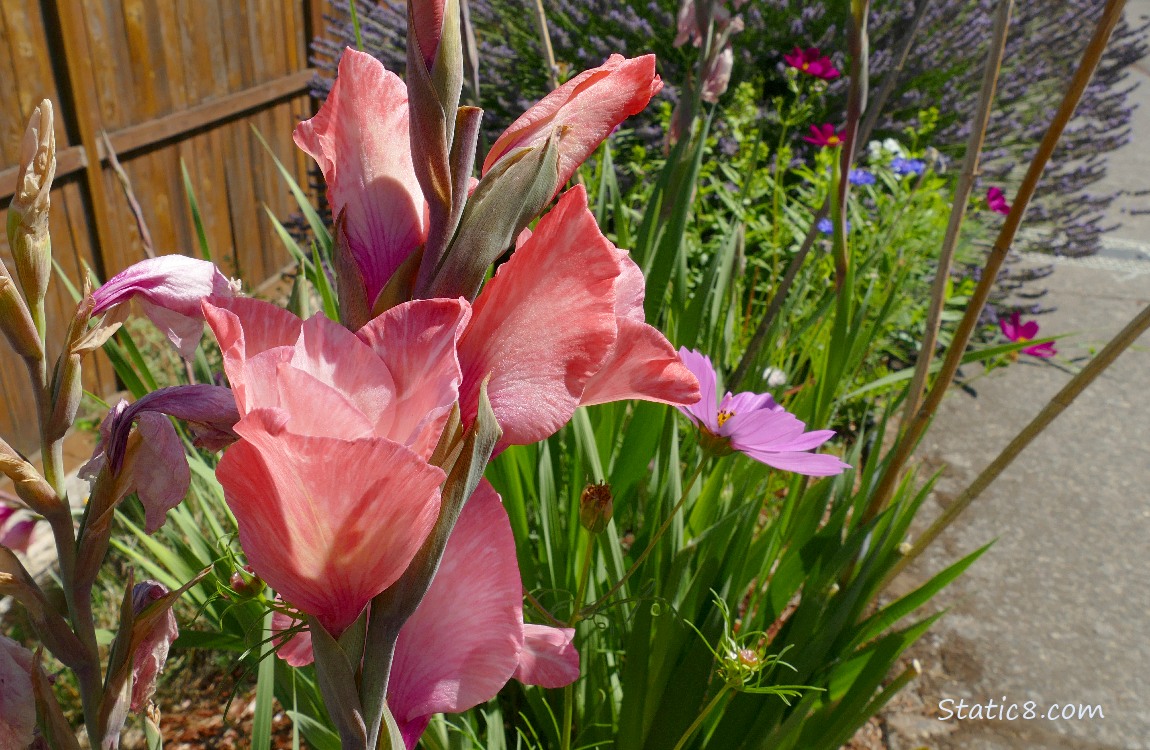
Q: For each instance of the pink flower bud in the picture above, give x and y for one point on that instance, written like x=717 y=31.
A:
x=428 y=18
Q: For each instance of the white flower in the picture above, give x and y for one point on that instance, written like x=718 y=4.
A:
x=774 y=377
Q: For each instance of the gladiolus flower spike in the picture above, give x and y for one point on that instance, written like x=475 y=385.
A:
x=753 y=424
x=809 y=61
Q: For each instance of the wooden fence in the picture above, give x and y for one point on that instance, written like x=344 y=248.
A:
x=167 y=81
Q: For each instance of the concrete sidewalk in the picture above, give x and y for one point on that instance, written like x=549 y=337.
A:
x=1058 y=611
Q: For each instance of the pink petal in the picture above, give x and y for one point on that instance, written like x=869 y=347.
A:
x=360 y=140
x=161 y=469
x=327 y=523
x=294 y=649
x=17 y=704
x=170 y=289
x=462 y=644
x=1029 y=329
x=1042 y=351
x=718 y=76
x=705 y=412
x=543 y=326
x=416 y=341
x=245 y=328
x=337 y=358
x=549 y=658
x=583 y=111
x=810 y=464
x=642 y=365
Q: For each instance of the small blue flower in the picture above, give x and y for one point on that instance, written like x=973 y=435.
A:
x=860 y=177
x=825 y=226
x=903 y=167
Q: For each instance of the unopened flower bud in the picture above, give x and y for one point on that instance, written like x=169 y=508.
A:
x=246 y=583
x=595 y=507
x=16 y=321
x=28 y=214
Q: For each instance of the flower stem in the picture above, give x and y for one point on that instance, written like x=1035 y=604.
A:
x=580 y=592
x=701 y=718
x=654 y=540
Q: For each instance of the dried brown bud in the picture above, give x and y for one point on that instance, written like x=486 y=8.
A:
x=595 y=507
x=28 y=214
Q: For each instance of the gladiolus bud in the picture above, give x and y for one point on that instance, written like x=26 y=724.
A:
x=427 y=16
x=16 y=321
x=28 y=214
x=246 y=583
x=595 y=507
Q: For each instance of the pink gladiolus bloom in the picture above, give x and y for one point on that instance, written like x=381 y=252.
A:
x=583 y=111
x=467 y=638
x=1015 y=330
x=17 y=702
x=329 y=482
x=360 y=139
x=996 y=201
x=753 y=424
x=561 y=325
x=151 y=653
x=810 y=62
x=169 y=289
x=825 y=135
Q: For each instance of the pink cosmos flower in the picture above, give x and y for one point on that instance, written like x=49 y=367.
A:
x=329 y=483
x=467 y=638
x=17 y=702
x=561 y=325
x=584 y=111
x=1015 y=330
x=169 y=289
x=753 y=424
x=810 y=62
x=996 y=201
x=825 y=135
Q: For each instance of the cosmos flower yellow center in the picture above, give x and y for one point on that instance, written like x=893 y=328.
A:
x=724 y=416
x=833 y=140
x=806 y=66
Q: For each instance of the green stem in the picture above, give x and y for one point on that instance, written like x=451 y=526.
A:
x=580 y=593
x=701 y=718
x=654 y=540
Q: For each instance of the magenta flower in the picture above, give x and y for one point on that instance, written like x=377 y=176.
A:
x=1014 y=329
x=753 y=424
x=825 y=135
x=16 y=526
x=810 y=62
x=996 y=201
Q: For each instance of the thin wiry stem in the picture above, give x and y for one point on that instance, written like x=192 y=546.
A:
x=958 y=208
x=1111 y=14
